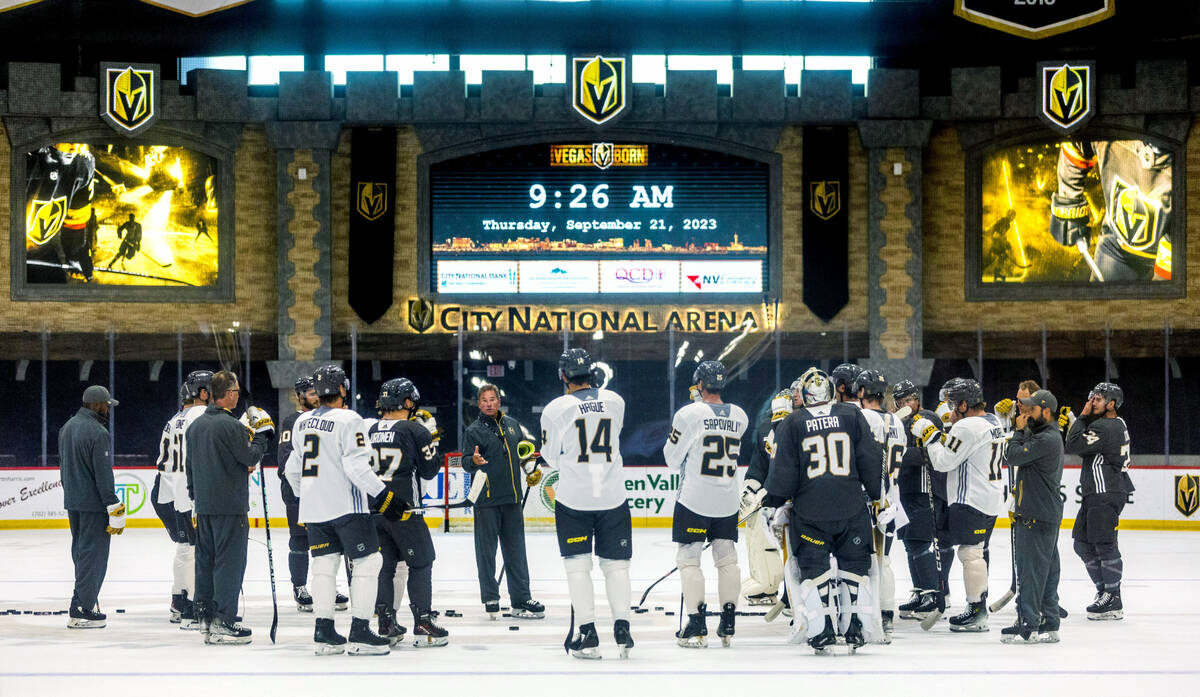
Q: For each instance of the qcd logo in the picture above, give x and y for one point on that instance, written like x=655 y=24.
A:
x=642 y=274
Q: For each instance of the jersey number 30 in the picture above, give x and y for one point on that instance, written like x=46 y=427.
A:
x=827 y=453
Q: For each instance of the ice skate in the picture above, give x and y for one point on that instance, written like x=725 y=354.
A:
x=492 y=609
x=822 y=642
x=1017 y=634
x=621 y=634
x=387 y=624
x=973 y=619
x=762 y=599
x=854 y=634
x=341 y=602
x=363 y=642
x=1047 y=632
x=886 y=624
x=86 y=619
x=328 y=641
x=1107 y=607
x=725 y=628
x=694 y=635
x=529 y=610
x=909 y=607
x=587 y=644
x=304 y=602
x=427 y=634
x=228 y=632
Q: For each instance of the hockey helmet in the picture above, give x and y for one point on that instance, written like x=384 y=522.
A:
x=304 y=383
x=873 y=382
x=393 y=393
x=574 y=364
x=328 y=379
x=945 y=390
x=710 y=376
x=904 y=390
x=195 y=381
x=815 y=388
x=965 y=390
x=844 y=375
x=1111 y=393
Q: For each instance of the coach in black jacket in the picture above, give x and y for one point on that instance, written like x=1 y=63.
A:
x=490 y=448
x=1036 y=451
x=220 y=456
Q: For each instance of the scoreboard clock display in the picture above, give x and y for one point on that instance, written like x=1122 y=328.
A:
x=573 y=220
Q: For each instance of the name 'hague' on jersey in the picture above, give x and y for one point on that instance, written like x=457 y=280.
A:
x=703 y=446
x=972 y=455
x=825 y=457
x=403 y=454
x=581 y=438
x=330 y=465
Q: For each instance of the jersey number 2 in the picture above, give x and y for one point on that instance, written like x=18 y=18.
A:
x=312 y=446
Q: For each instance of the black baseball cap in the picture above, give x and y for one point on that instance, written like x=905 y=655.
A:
x=1041 y=398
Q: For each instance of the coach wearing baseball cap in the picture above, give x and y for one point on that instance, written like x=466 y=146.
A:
x=1036 y=451
x=93 y=510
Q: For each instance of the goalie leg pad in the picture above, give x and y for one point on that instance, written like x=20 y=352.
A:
x=364 y=585
x=687 y=558
x=579 y=585
x=324 y=569
x=857 y=596
x=729 y=576
x=814 y=607
x=887 y=586
x=762 y=557
x=974 y=571
x=617 y=587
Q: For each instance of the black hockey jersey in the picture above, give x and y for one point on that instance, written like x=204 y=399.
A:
x=764 y=443
x=284 y=449
x=825 y=456
x=916 y=475
x=1104 y=446
x=403 y=453
x=58 y=199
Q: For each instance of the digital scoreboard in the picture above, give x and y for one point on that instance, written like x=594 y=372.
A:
x=578 y=219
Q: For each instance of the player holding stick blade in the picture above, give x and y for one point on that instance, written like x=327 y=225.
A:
x=581 y=438
x=330 y=466
x=972 y=455
x=405 y=452
x=825 y=457
x=703 y=447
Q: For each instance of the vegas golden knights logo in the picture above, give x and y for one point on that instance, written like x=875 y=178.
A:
x=598 y=87
x=420 y=314
x=1134 y=216
x=825 y=198
x=129 y=97
x=1187 y=494
x=372 y=199
x=1067 y=94
x=45 y=219
x=602 y=155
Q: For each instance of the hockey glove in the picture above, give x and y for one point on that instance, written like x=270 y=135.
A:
x=884 y=514
x=943 y=411
x=752 y=495
x=925 y=430
x=694 y=393
x=778 y=518
x=532 y=478
x=1004 y=407
x=259 y=420
x=1066 y=418
x=1068 y=219
x=388 y=505
x=116 y=519
x=426 y=419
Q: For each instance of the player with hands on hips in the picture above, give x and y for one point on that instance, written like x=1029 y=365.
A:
x=581 y=438
x=971 y=454
x=703 y=447
x=331 y=469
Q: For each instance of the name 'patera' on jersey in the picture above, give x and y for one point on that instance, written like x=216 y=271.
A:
x=581 y=437
x=703 y=445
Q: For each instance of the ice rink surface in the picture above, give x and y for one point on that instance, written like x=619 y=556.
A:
x=1154 y=650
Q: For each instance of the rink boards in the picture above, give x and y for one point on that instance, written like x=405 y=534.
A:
x=1166 y=497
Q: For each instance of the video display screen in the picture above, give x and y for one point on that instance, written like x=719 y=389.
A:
x=120 y=214
x=1077 y=212
x=599 y=218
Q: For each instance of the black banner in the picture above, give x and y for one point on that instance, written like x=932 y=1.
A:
x=825 y=235
x=372 y=220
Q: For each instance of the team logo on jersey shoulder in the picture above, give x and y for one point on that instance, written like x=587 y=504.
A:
x=598 y=87
x=371 y=199
x=1067 y=94
x=130 y=96
x=825 y=198
x=420 y=315
x=45 y=219
x=1187 y=494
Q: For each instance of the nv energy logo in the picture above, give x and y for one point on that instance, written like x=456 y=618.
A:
x=45 y=219
x=371 y=199
x=130 y=102
x=131 y=491
x=1067 y=94
x=598 y=87
x=1187 y=494
x=825 y=198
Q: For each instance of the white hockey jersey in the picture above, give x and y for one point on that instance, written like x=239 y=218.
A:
x=703 y=447
x=972 y=455
x=581 y=438
x=172 y=459
x=330 y=465
x=889 y=431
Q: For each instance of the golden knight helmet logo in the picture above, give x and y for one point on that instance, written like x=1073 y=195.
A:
x=1066 y=95
x=130 y=96
x=825 y=198
x=420 y=315
x=45 y=219
x=1187 y=494
x=371 y=200
x=598 y=87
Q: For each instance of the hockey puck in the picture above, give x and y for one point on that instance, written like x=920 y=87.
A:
x=506 y=614
x=670 y=613
x=514 y=629
x=120 y=611
x=659 y=608
x=27 y=612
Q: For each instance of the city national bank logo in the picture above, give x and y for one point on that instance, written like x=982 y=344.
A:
x=598 y=87
x=546 y=492
x=1187 y=494
x=131 y=490
x=371 y=199
x=45 y=219
x=825 y=198
x=1067 y=94
x=129 y=96
x=420 y=315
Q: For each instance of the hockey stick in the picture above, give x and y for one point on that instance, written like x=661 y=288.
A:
x=1012 y=542
x=156 y=261
x=262 y=487
x=673 y=570
x=1081 y=245
x=932 y=618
